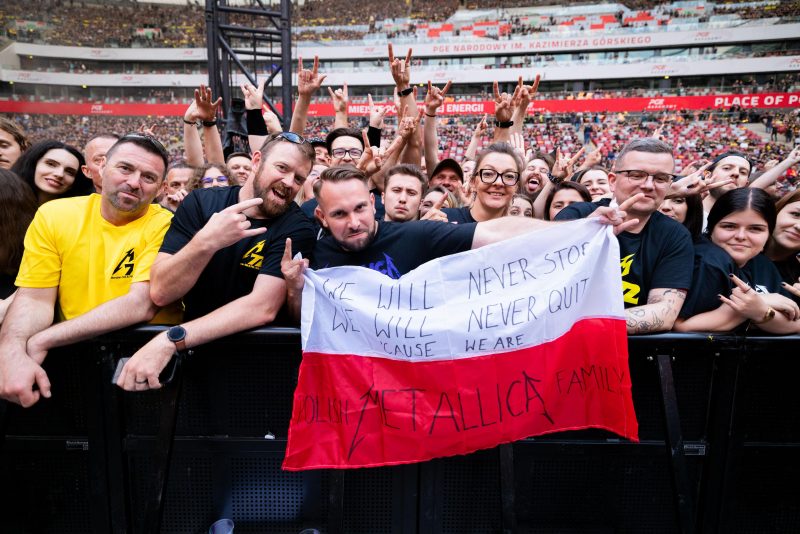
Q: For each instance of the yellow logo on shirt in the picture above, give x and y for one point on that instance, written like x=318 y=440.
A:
x=630 y=292
x=253 y=258
x=124 y=268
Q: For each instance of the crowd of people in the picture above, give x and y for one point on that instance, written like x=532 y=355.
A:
x=67 y=22
x=209 y=242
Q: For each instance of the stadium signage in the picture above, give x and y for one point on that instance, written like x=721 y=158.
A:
x=597 y=105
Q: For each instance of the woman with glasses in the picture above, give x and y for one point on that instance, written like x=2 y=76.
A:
x=210 y=175
x=734 y=283
x=497 y=171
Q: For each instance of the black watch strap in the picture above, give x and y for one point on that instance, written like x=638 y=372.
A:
x=553 y=179
x=405 y=92
x=506 y=124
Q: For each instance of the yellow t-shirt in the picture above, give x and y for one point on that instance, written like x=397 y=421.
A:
x=92 y=261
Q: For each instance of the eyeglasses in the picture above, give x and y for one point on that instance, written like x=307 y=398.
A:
x=286 y=136
x=354 y=153
x=489 y=176
x=660 y=178
x=212 y=179
x=149 y=140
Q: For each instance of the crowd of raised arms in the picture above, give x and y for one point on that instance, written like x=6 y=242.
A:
x=118 y=231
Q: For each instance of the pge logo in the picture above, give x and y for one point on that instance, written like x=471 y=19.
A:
x=795 y=63
x=655 y=102
x=97 y=108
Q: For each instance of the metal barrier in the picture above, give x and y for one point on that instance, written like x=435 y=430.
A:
x=719 y=426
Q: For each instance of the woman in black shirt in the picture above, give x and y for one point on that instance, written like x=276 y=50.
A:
x=733 y=281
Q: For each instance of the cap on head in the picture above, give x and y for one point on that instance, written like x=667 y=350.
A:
x=448 y=163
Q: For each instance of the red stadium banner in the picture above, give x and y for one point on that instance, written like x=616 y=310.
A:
x=522 y=338
x=452 y=107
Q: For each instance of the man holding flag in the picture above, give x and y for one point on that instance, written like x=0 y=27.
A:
x=467 y=351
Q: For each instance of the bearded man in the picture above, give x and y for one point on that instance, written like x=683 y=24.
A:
x=222 y=256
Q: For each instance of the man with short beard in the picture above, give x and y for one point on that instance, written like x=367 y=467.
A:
x=87 y=261
x=222 y=256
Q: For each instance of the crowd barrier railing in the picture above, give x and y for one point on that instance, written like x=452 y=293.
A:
x=719 y=420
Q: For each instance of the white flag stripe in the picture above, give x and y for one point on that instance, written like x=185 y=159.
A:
x=511 y=295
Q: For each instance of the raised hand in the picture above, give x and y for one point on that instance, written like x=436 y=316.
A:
x=206 y=107
x=308 y=81
x=517 y=142
x=376 y=113
x=616 y=216
x=564 y=166
x=435 y=97
x=503 y=109
x=230 y=225
x=400 y=69
x=481 y=127
x=406 y=126
x=253 y=96
x=339 y=98
x=694 y=184
x=745 y=300
x=435 y=213
x=293 y=269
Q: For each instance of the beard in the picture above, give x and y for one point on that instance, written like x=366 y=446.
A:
x=361 y=243
x=271 y=208
x=125 y=205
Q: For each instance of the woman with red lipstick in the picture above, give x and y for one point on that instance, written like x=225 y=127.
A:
x=734 y=282
x=52 y=169
x=784 y=246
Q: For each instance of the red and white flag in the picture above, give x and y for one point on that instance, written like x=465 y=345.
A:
x=522 y=338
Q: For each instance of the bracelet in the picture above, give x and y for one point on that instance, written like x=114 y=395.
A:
x=209 y=124
x=189 y=122
x=405 y=92
x=507 y=124
x=553 y=179
x=429 y=115
x=768 y=316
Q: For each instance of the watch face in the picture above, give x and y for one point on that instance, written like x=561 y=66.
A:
x=176 y=333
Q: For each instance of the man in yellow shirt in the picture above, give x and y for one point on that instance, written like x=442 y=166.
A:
x=92 y=256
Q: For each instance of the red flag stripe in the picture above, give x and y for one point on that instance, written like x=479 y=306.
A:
x=356 y=411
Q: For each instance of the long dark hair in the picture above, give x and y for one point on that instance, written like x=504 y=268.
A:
x=17 y=206
x=739 y=200
x=25 y=167
x=582 y=190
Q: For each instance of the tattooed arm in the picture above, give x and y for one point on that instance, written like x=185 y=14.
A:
x=659 y=314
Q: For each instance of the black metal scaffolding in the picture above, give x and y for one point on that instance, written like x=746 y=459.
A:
x=255 y=41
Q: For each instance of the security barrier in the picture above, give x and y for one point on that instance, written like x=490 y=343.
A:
x=719 y=424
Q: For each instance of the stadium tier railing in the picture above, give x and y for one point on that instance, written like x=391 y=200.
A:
x=719 y=424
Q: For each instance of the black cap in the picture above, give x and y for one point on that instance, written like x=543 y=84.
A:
x=448 y=163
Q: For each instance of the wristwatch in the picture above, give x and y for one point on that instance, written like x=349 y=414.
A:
x=405 y=92
x=553 y=179
x=177 y=334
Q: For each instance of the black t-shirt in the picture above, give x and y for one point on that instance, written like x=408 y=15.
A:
x=712 y=265
x=458 y=215
x=580 y=210
x=232 y=271
x=660 y=256
x=398 y=247
x=789 y=269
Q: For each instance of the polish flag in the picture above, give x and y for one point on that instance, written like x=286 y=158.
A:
x=521 y=338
